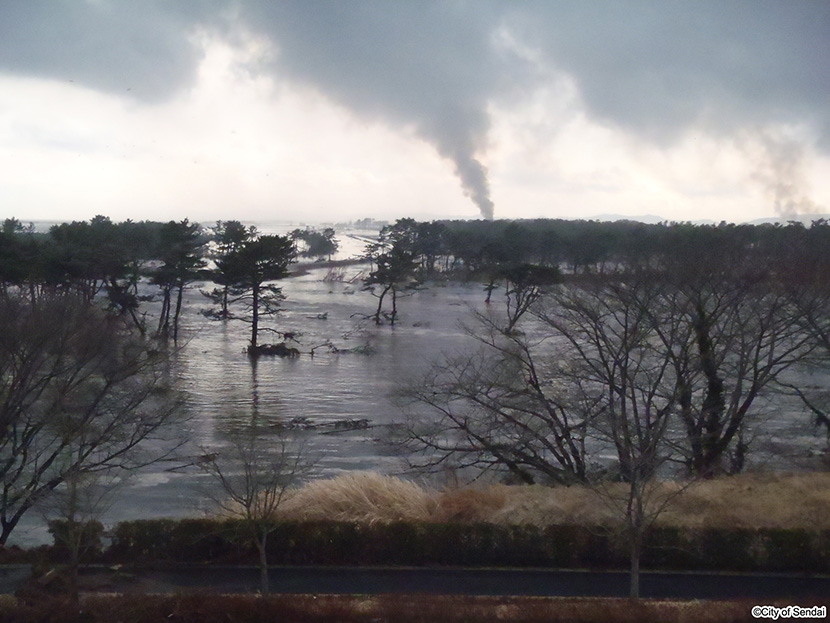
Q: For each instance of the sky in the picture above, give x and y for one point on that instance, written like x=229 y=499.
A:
x=329 y=110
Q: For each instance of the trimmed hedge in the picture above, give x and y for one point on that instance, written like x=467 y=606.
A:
x=423 y=544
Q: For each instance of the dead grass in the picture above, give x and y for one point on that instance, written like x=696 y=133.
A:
x=750 y=500
x=756 y=500
x=363 y=497
x=206 y=608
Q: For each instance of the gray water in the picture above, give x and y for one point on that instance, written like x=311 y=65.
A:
x=226 y=391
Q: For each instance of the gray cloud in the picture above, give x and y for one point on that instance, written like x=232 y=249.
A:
x=139 y=48
x=658 y=67
x=428 y=65
x=653 y=68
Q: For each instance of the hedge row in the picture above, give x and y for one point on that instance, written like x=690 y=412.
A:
x=419 y=544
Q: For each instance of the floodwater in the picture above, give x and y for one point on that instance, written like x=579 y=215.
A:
x=226 y=391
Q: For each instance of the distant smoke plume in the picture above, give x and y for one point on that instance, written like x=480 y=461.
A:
x=782 y=173
x=429 y=66
x=473 y=176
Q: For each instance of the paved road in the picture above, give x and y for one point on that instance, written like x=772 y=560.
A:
x=494 y=582
x=368 y=580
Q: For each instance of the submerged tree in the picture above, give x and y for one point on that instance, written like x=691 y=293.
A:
x=395 y=260
x=317 y=244
x=181 y=247
x=248 y=271
x=228 y=239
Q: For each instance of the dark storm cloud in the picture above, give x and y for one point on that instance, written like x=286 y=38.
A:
x=136 y=47
x=653 y=68
x=427 y=65
x=657 y=67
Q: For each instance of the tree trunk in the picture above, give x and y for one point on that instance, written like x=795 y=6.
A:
x=636 y=527
x=634 y=578
x=714 y=404
x=380 y=305
x=255 y=316
x=164 y=317
x=74 y=563
x=178 y=312
x=263 y=564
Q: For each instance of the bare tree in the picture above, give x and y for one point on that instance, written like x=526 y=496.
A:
x=496 y=408
x=738 y=337
x=805 y=279
x=74 y=378
x=74 y=511
x=658 y=367
x=254 y=475
x=524 y=285
x=618 y=373
x=586 y=379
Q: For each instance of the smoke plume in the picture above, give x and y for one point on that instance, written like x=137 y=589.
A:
x=473 y=176
x=783 y=176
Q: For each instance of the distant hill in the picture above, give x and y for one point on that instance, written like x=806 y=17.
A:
x=655 y=219
x=803 y=218
x=651 y=219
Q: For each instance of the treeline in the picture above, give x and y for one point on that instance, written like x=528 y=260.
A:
x=106 y=260
x=474 y=248
x=528 y=254
x=102 y=258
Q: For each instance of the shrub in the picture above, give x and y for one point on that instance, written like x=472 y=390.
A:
x=86 y=535
x=421 y=543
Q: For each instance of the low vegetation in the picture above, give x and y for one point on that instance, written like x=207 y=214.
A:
x=363 y=609
x=367 y=519
x=787 y=501
x=362 y=497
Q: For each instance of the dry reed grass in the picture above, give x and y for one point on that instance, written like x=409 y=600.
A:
x=363 y=497
x=755 y=500
x=749 y=500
